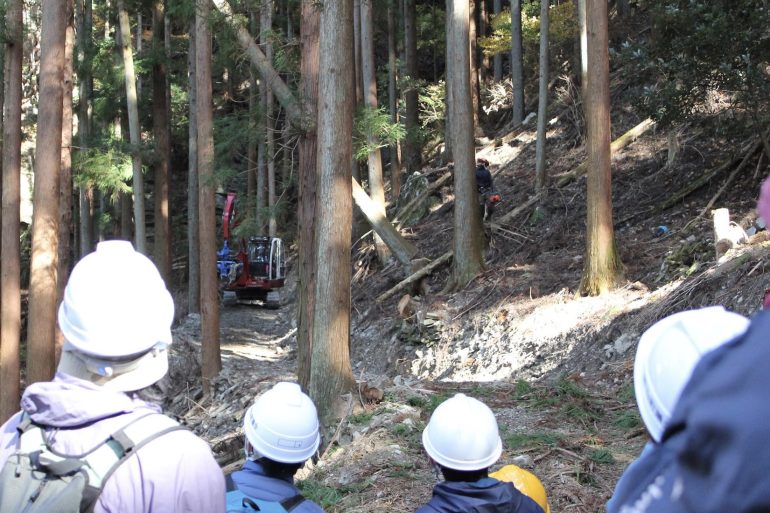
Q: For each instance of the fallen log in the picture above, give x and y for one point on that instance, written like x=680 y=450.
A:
x=423 y=272
x=416 y=201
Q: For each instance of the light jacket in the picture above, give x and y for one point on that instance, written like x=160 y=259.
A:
x=176 y=473
x=716 y=442
x=487 y=495
x=252 y=481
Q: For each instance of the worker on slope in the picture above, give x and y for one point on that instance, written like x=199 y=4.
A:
x=488 y=197
x=666 y=357
x=116 y=320
x=281 y=434
x=462 y=441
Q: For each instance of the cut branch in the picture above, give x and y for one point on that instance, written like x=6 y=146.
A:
x=415 y=277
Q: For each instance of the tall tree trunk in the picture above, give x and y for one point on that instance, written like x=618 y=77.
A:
x=252 y=138
x=467 y=218
x=193 y=248
x=602 y=264
x=85 y=194
x=497 y=7
x=474 y=64
x=357 y=64
x=211 y=359
x=583 y=36
x=266 y=20
x=309 y=39
x=140 y=238
x=517 y=63
x=331 y=373
x=448 y=73
x=10 y=267
x=412 y=152
x=484 y=31
x=395 y=158
x=160 y=125
x=541 y=177
x=65 y=185
x=369 y=72
x=41 y=361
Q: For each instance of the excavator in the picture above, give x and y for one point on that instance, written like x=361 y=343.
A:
x=256 y=271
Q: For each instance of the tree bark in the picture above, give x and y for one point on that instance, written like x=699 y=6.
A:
x=193 y=247
x=211 y=359
x=602 y=264
x=412 y=152
x=162 y=135
x=85 y=195
x=331 y=374
x=10 y=268
x=448 y=73
x=368 y=70
x=497 y=62
x=309 y=39
x=266 y=20
x=467 y=218
x=41 y=361
x=474 y=64
x=65 y=178
x=541 y=176
x=517 y=63
x=395 y=160
x=140 y=238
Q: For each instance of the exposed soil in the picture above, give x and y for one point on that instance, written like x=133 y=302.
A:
x=555 y=367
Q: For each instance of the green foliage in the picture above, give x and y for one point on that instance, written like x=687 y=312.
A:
x=374 y=123
x=628 y=420
x=105 y=167
x=325 y=496
x=562 y=30
x=704 y=58
x=432 y=99
x=601 y=455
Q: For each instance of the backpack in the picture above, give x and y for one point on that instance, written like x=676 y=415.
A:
x=239 y=502
x=37 y=479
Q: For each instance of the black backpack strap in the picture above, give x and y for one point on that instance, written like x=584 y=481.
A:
x=230 y=485
x=292 y=502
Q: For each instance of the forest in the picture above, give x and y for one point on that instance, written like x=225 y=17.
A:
x=338 y=143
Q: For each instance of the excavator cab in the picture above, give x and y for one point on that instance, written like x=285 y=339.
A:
x=257 y=271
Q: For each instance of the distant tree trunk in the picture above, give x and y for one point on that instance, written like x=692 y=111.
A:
x=395 y=160
x=541 y=177
x=357 y=64
x=211 y=360
x=484 y=31
x=412 y=152
x=266 y=20
x=306 y=201
x=65 y=177
x=497 y=6
x=467 y=218
x=254 y=106
x=583 y=44
x=474 y=64
x=602 y=264
x=10 y=268
x=41 y=361
x=193 y=247
x=133 y=127
x=369 y=72
x=162 y=135
x=448 y=73
x=85 y=195
x=331 y=374
x=517 y=63
x=624 y=8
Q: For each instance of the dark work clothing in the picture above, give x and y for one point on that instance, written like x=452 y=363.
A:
x=487 y=495
x=718 y=436
x=252 y=481
x=483 y=178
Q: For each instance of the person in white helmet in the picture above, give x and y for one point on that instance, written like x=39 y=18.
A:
x=666 y=356
x=281 y=429
x=462 y=441
x=116 y=319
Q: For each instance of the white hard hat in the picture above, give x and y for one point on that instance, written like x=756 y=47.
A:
x=282 y=424
x=116 y=318
x=462 y=435
x=668 y=353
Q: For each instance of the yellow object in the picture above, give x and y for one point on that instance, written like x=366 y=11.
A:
x=526 y=482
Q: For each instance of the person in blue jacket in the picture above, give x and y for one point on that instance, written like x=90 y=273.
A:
x=462 y=441
x=665 y=358
x=281 y=430
x=714 y=454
